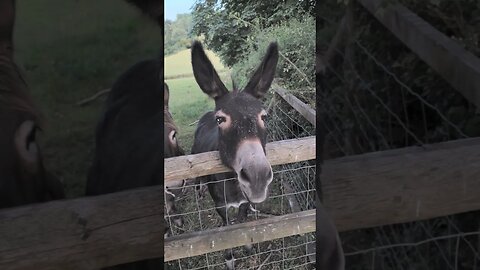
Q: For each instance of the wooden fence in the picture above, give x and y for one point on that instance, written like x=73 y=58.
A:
x=303 y=109
x=198 y=243
x=281 y=152
x=359 y=191
x=456 y=65
x=413 y=183
x=403 y=185
x=84 y=233
x=100 y=231
x=460 y=68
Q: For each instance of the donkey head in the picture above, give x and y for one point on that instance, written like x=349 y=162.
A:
x=240 y=118
x=171 y=146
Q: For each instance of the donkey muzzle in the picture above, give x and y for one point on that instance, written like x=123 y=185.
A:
x=254 y=172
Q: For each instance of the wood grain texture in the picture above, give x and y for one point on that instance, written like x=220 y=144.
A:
x=198 y=243
x=408 y=184
x=280 y=152
x=362 y=191
x=85 y=233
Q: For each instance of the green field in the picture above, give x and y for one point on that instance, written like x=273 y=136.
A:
x=69 y=50
x=187 y=101
x=179 y=64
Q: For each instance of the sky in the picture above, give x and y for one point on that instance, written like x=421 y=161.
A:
x=174 y=7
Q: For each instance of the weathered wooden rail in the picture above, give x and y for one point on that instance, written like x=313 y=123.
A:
x=280 y=152
x=305 y=110
x=198 y=243
x=371 y=190
x=84 y=233
x=403 y=185
x=407 y=184
x=106 y=230
x=456 y=65
x=361 y=191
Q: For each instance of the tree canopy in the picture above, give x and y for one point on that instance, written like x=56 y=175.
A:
x=228 y=25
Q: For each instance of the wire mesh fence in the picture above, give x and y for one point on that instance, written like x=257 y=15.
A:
x=383 y=97
x=292 y=190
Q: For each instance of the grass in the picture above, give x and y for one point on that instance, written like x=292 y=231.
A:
x=187 y=104
x=187 y=101
x=70 y=50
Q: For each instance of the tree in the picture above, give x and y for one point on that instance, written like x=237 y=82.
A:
x=227 y=25
x=178 y=33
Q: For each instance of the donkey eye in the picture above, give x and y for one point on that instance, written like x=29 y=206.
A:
x=220 y=119
x=264 y=117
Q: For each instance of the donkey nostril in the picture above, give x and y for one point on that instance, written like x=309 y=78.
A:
x=244 y=175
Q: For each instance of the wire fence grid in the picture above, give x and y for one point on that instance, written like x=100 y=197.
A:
x=292 y=190
x=370 y=105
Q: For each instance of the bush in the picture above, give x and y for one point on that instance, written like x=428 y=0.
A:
x=296 y=41
x=229 y=25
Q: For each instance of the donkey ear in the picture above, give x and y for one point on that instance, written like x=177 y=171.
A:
x=27 y=148
x=7 y=20
x=263 y=77
x=166 y=95
x=205 y=74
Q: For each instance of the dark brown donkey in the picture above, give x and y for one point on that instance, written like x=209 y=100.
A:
x=23 y=178
x=129 y=149
x=171 y=148
x=128 y=145
x=237 y=129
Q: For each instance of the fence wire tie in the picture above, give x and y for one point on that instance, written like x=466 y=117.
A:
x=169 y=192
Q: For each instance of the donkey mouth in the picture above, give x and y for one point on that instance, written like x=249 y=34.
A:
x=253 y=199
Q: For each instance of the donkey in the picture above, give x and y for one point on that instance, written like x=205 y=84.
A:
x=171 y=148
x=237 y=129
x=23 y=177
x=128 y=151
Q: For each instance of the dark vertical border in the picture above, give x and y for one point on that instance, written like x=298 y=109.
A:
x=161 y=21
x=329 y=251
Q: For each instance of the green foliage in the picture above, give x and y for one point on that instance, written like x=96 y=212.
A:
x=228 y=25
x=296 y=40
x=177 y=34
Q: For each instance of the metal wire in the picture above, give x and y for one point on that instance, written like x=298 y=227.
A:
x=285 y=253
